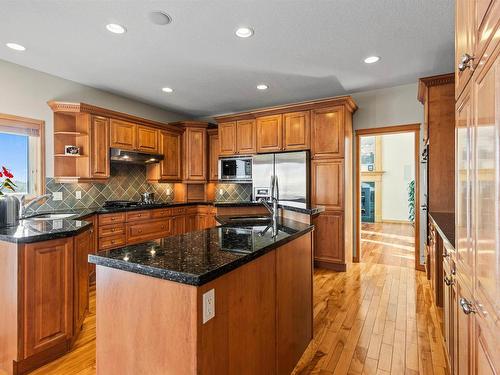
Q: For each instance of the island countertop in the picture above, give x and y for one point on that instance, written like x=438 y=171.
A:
x=196 y=258
x=29 y=231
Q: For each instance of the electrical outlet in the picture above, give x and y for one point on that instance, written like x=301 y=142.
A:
x=57 y=196
x=78 y=194
x=208 y=305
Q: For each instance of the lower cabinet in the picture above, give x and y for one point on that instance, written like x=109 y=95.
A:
x=148 y=230
x=328 y=238
x=82 y=244
x=178 y=224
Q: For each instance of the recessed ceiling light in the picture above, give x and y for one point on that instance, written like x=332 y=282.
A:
x=160 y=18
x=16 y=46
x=262 y=86
x=115 y=28
x=167 y=89
x=372 y=59
x=244 y=32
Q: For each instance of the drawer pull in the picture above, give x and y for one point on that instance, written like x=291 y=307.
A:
x=465 y=62
x=466 y=306
x=449 y=281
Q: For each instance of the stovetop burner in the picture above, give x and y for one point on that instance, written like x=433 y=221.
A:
x=116 y=204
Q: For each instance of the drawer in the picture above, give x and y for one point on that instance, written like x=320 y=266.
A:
x=149 y=230
x=106 y=219
x=162 y=212
x=203 y=209
x=178 y=211
x=107 y=243
x=192 y=210
x=138 y=215
x=111 y=230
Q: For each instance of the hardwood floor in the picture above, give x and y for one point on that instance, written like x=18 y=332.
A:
x=377 y=318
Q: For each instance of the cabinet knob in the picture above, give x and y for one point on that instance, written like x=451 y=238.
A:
x=449 y=280
x=466 y=306
x=465 y=62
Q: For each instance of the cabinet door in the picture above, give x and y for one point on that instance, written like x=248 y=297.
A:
x=123 y=134
x=99 y=145
x=245 y=137
x=82 y=245
x=147 y=139
x=269 y=133
x=462 y=331
x=178 y=225
x=170 y=147
x=463 y=184
x=47 y=295
x=297 y=130
x=191 y=223
x=328 y=183
x=195 y=160
x=329 y=237
x=148 y=230
x=448 y=311
x=327 y=132
x=213 y=162
x=227 y=138
x=464 y=41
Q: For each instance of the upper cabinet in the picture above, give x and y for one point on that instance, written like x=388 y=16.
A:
x=99 y=152
x=123 y=134
x=213 y=155
x=170 y=147
x=237 y=137
x=147 y=139
x=270 y=133
x=296 y=131
x=194 y=151
x=327 y=132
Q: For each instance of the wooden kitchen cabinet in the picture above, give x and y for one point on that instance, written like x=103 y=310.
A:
x=178 y=224
x=246 y=137
x=47 y=325
x=296 y=131
x=147 y=139
x=213 y=155
x=123 y=134
x=171 y=165
x=327 y=132
x=327 y=183
x=82 y=244
x=148 y=230
x=195 y=152
x=329 y=239
x=99 y=150
x=227 y=138
x=270 y=133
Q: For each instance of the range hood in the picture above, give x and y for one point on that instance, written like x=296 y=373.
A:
x=134 y=157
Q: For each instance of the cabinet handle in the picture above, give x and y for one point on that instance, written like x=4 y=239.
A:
x=466 y=306
x=449 y=281
x=465 y=62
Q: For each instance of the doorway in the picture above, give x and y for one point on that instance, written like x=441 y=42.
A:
x=387 y=196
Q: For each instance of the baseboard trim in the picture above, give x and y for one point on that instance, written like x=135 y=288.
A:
x=340 y=267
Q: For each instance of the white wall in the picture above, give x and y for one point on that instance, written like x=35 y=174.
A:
x=398 y=164
x=387 y=107
x=25 y=92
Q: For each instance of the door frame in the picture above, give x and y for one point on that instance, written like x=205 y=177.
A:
x=406 y=128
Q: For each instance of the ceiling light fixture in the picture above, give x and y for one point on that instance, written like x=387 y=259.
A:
x=167 y=90
x=372 y=59
x=115 y=28
x=16 y=47
x=244 y=32
x=262 y=86
x=160 y=18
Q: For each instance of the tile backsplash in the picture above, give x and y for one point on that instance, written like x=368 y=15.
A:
x=233 y=192
x=127 y=182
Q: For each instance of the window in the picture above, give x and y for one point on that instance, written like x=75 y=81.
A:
x=22 y=151
x=367 y=154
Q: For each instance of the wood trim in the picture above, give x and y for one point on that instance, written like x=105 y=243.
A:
x=438 y=80
x=415 y=128
x=346 y=101
x=389 y=129
x=70 y=107
x=30 y=123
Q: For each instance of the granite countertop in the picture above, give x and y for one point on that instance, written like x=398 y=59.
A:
x=196 y=258
x=28 y=231
x=286 y=205
x=445 y=225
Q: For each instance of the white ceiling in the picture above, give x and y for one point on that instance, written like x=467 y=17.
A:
x=303 y=49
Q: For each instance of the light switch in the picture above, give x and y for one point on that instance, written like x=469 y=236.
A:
x=57 y=196
x=208 y=305
x=78 y=194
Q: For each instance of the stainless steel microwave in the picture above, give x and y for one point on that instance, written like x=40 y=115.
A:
x=235 y=169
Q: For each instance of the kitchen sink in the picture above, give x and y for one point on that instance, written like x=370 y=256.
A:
x=51 y=216
x=249 y=219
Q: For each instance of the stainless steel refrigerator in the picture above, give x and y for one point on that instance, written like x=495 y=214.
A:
x=289 y=170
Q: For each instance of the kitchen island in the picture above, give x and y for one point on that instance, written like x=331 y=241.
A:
x=225 y=300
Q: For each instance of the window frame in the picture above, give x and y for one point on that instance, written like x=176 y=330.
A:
x=24 y=123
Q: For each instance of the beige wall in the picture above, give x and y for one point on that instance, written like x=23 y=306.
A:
x=25 y=92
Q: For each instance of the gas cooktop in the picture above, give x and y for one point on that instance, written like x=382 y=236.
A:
x=119 y=204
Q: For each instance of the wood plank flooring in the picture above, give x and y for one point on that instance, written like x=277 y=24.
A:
x=377 y=318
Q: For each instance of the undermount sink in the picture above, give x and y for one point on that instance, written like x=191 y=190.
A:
x=51 y=216
x=250 y=219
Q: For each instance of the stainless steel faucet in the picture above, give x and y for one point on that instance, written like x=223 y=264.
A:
x=24 y=207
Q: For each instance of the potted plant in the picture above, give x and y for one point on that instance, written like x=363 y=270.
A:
x=9 y=204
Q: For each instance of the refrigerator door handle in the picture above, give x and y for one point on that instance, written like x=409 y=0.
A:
x=277 y=191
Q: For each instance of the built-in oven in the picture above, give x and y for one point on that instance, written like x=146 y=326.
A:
x=235 y=169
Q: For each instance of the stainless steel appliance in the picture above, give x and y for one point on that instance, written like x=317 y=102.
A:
x=235 y=169
x=147 y=197
x=287 y=173
x=132 y=157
